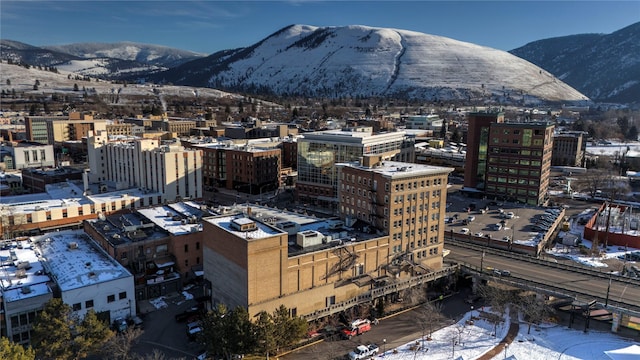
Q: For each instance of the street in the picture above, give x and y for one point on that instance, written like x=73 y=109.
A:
x=396 y=330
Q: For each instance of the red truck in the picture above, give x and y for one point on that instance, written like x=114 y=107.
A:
x=356 y=327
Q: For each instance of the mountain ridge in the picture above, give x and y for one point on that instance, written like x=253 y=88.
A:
x=605 y=67
x=358 y=60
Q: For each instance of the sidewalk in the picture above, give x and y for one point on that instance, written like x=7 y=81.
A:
x=514 y=327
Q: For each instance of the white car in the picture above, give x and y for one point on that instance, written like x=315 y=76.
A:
x=363 y=352
x=464 y=231
x=478 y=234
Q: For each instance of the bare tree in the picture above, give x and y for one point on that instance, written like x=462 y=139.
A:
x=429 y=316
x=498 y=297
x=533 y=308
x=119 y=347
x=11 y=222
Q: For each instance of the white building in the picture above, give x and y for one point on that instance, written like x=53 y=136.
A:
x=24 y=289
x=87 y=277
x=171 y=170
x=424 y=122
x=26 y=155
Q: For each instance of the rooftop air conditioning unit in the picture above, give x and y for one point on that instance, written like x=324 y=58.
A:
x=26 y=289
x=73 y=245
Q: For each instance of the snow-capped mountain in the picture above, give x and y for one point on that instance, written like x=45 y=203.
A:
x=605 y=67
x=108 y=61
x=156 y=55
x=18 y=52
x=368 y=61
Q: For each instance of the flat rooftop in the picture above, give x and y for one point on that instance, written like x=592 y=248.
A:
x=261 y=231
x=75 y=261
x=22 y=274
x=177 y=223
x=272 y=217
x=396 y=169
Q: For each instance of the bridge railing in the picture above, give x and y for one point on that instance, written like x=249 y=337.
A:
x=589 y=270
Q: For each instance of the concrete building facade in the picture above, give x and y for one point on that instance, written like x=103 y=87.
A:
x=171 y=170
x=569 y=148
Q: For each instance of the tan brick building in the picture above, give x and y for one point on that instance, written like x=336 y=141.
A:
x=321 y=268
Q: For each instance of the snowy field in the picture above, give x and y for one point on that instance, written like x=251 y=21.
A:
x=544 y=342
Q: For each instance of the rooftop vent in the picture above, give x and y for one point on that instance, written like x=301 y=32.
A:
x=26 y=289
x=244 y=224
x=73 y=245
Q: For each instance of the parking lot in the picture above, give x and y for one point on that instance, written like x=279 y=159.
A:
x=498 y=220
x=161 y=330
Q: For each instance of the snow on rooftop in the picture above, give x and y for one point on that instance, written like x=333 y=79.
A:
x=402 y=169
x=167 y=218
x=22 y=270
x=75 y=261
x=262 y=231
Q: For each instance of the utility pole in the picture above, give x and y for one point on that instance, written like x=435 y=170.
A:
x=606 y=301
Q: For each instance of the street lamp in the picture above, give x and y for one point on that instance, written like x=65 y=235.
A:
x=471 y=312
x=384 y=346
x=506 y=346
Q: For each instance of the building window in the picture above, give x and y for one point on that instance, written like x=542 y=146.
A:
x=331 y=300
x=122 y=295
x=186 y=248
x=88 y=304
x=111 y=298
x=198 y=245
x=77 y=306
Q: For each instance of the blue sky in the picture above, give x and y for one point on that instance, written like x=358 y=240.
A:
x=210 y=26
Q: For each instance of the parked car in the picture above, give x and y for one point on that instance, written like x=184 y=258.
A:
x=120 y=325
x=478 y=234
x=189 y=313
x=364 y=352
x=193 y=329
x=470 y=218
x=464 y=231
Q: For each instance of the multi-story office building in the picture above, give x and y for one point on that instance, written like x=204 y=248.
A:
x=424 y=122
x=251 y=168
x=36 y=127
x=390 y=240
x=406 y=201
x=508 y=160
x=569 y=148
x=318 y=152
x=171 y=170
x=57 y=129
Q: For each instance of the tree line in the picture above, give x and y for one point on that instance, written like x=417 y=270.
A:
x=59 y=334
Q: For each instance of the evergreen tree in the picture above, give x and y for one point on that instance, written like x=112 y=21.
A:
x=59 y=334
x=75 y=87
x=52 y=331
x=633 y=133
x=265 y=330
x=12 y=351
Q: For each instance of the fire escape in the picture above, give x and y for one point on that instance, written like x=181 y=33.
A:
x=346 y=261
